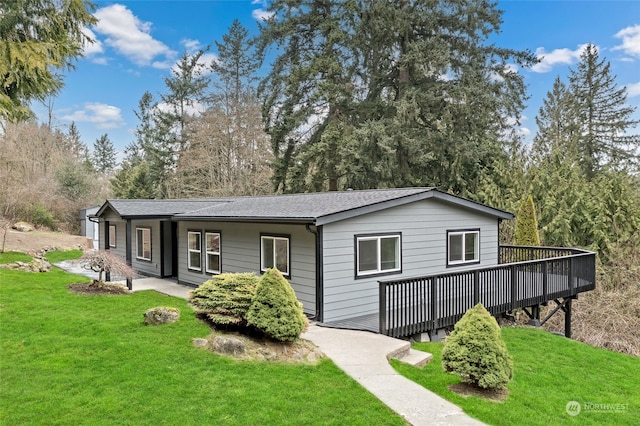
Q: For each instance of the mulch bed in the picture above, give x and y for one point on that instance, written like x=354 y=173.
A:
x=96 y=288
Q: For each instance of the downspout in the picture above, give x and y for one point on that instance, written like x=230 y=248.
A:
x=128 y=254
x=319 y=317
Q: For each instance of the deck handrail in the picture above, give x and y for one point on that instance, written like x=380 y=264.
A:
x=414 y=305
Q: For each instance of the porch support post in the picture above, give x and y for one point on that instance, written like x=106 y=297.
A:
x=567 y=319
x=128 y=252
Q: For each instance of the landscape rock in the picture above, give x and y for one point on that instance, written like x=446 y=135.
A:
x=161 y=315
x=36 y=265
x=23 y=227
x=228 y=346
x=200 y=343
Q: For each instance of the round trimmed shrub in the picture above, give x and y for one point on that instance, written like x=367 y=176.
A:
x=475 y=350
x=225 y=298
x=275 y=310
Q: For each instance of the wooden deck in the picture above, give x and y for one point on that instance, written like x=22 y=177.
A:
x=426 y=304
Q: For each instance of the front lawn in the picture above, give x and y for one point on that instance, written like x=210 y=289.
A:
x=14 y=256
x=550 y=371
x=72 y=359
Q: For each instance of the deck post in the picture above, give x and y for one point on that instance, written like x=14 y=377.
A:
x=544 y=282
x=513 y=286
x=382 y=308
x=567 y=319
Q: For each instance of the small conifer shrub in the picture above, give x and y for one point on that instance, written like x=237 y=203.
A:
x=475 y=350
x=275 y=310
x=225 y=298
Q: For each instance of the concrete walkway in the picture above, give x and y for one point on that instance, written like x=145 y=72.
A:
x=361 y=354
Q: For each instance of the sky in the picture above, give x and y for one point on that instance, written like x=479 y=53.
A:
x=138 y=42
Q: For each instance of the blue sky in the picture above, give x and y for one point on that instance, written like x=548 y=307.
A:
x=139 y=41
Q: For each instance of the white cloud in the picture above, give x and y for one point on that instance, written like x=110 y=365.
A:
x=261 y=14
x=102 y=115
x=131 y=37
x=557 y=56
x=633 y=89
x=91 y=48
x=190 y=45
x=630 y=40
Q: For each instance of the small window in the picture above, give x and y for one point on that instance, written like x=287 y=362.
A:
x=194 y=248
x=112 y=236
x=377 y=254
x=274 y=253
x=212 y=240
x=463 y=247
x=143 y=243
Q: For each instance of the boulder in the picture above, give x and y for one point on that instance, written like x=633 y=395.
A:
x=228 y=346
x=161 y=315
x=23 y=227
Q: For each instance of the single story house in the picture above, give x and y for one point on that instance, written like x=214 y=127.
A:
x=333 y=247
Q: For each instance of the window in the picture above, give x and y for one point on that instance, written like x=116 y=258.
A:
x=194 y=249
x=143 y=243
x=377 y=254
x=212 y=240
x=112 y=236
x=274 y=252
x=463 y=247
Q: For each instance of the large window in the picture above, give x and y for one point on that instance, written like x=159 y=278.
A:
x=112 y=236
x=463 y=247
x=194 y=248
x=274 y=252
x=377 y=254
x=212 y=247
x=143 y=243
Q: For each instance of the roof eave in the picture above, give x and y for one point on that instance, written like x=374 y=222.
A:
x=247 y=219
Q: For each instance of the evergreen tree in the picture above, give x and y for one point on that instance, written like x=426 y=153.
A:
x=104 y=155
x=388 y=93
x=308 y=92
x=602 y=114
x=38 y=38
x=557 y=125
x=526 y=233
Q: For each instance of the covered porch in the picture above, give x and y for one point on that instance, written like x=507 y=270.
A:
x=527 y=277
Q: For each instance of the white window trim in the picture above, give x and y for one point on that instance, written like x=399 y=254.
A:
x=208 y=252
x=378 y=269
x=190 y=250
x=274 y=238
x=464 y=242
x=141 y=255
x=112 y=241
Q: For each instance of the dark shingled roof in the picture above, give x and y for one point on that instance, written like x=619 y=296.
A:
x=317 y=207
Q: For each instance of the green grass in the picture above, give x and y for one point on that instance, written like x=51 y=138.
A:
x=59 y=256
x=549 y=371
x=14 y=256
x=71 y=359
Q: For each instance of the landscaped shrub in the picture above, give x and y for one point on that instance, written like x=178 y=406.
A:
x=475 y=350
x=275 y=310
x=102 y=261
x=225 y=298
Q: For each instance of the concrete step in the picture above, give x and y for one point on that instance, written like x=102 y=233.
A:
x=405 y=354
x=416 y=358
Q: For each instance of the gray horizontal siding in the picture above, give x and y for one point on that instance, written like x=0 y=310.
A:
x=240 y=252
x=152 y=267
x=423 y=225
x=121 y=237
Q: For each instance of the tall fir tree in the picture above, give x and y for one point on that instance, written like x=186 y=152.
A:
x=104 y=155
x=603 y=115
x=388 y=93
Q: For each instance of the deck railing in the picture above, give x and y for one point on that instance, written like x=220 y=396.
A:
x=423 y=304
